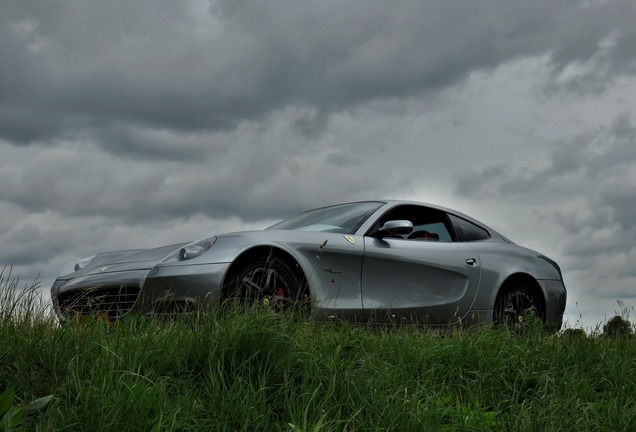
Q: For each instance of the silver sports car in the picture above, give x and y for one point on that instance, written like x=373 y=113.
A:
x=374 y=261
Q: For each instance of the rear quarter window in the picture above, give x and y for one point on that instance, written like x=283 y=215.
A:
x=467 y=231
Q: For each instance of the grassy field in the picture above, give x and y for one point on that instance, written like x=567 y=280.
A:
x=262 y=371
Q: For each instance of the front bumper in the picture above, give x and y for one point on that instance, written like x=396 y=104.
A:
x=162 y=289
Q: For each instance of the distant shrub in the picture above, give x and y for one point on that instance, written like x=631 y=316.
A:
x=574 y=334
x=617 y=327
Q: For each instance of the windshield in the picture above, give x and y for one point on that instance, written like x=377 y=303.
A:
x=344 y=218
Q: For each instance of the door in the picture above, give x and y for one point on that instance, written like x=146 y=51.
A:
x=414 y=281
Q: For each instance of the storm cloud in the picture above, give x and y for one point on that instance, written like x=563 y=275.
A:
x=103 y=70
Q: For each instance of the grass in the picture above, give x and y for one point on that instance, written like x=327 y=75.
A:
x=271 y=372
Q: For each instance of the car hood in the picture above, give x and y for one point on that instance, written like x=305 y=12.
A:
x=138 y=260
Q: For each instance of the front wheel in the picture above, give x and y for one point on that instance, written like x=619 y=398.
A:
x=267 y=283
x=517 y=305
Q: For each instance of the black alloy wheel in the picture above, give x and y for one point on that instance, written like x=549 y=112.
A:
x=267 y=283
x=516 y=305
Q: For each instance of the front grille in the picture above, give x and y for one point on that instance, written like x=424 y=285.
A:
x=102 y=302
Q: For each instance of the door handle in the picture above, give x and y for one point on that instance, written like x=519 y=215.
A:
x=471 y=262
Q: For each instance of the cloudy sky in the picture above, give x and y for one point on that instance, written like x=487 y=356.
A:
x=133 y=123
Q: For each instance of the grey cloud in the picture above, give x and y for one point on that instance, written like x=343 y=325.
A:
x=27 y=244
x=312 y=124
x=621 y=202
x=473 y=183
x=589 y=159
x=588 y=246
x=598 y=57
x=155 y=143
x=190 y=66
x=259 y=172
x=582 y=219
x=341 y=158
x=627 y=272
x=592 y=173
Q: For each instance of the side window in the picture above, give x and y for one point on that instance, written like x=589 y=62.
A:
x=467 y=231
x=435 y=231
x=428 y=224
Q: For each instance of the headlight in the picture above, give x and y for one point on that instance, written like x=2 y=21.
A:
x=78 y=265
x=194 y=250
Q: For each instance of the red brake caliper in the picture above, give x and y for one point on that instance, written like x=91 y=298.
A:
x=280 y=292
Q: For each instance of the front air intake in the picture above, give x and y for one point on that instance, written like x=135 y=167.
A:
x=108 y=303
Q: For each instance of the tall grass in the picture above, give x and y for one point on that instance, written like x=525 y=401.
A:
x=270 y=372
x=25 y=303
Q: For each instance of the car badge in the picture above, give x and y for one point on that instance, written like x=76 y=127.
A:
x=103 y=268
x=350 y=239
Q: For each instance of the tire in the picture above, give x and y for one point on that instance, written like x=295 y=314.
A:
x=266 y=283
x=517 y=304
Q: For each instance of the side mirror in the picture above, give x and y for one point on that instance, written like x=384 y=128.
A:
x=395 y=228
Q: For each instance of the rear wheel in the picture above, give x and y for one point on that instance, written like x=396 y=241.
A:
x=517 y=304
x=266 y=283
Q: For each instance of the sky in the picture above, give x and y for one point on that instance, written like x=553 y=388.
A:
x=136 y=123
